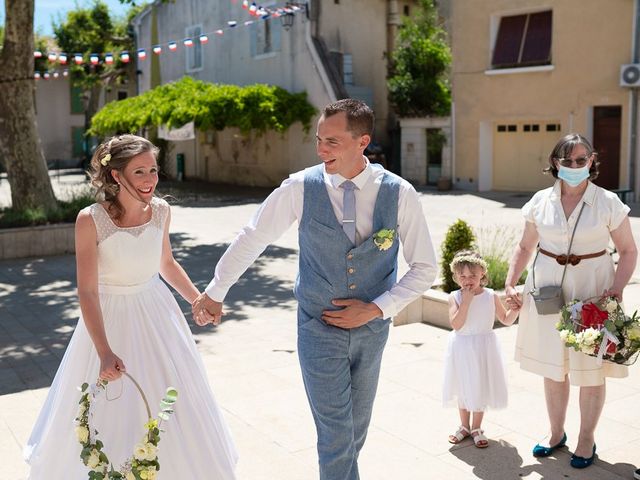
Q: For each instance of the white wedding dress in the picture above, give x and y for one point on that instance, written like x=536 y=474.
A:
x=147 y=330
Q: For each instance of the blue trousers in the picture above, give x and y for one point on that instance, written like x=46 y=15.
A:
x=340 y=369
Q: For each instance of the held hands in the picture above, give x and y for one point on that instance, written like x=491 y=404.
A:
x=354 y=314
x=205 y=310
x=111 y=367
x=613 y=292
x=514 y=299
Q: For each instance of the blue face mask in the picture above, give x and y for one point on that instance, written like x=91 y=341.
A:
x=573 y=176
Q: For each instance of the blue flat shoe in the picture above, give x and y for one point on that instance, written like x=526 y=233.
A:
x=540 y=451
x=581 y=462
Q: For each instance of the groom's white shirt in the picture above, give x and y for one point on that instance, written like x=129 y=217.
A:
x=284 y=206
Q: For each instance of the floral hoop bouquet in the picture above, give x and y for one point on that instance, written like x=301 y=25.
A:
x=143 y=463
x=601 y=329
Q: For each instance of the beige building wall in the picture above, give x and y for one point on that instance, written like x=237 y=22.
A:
x=55 y=120
x=359 y=28
x=228 y=156
x=590 y=41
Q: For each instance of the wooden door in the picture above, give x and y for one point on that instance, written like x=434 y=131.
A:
x=606 y=140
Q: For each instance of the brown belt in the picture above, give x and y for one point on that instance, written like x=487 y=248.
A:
x=572 y=259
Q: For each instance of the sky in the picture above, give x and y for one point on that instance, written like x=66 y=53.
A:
x=48 y=10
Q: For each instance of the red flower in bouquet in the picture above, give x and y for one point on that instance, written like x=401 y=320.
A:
x=592 y=316
x=611 y=348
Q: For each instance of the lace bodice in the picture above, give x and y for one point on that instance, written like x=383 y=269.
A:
x=129 y=255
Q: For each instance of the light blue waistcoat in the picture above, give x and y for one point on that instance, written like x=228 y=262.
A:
x=330 y=267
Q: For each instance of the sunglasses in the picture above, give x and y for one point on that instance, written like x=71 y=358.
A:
x=580 y=161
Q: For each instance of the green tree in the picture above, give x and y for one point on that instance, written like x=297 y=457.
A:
x=418 y=82
x=20 y=148
x=93 y=30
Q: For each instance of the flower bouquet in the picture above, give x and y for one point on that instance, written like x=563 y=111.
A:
x=143 y=463
x=601 y=329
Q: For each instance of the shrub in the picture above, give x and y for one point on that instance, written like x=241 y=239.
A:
x=210 y=106
x=459 y=237
x=67 y=211
x=496 y=245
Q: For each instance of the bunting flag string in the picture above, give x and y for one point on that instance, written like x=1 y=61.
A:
x=108 y=58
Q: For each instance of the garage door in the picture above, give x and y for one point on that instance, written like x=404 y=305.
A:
x=520 y=153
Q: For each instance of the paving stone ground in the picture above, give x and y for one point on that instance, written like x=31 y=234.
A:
x=251 y=359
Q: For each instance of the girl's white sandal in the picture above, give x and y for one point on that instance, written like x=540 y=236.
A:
x=461 y=434
x=479 y=439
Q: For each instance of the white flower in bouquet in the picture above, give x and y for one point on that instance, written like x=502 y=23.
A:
x=588 y=349
x=130 y=476
x=564 y=335
x=590 y=336
x=151 y=451
x=611 y=305
x=140 y=452
x=149 y=474
x=94 y=459
x=633 y=333
x=82 y=433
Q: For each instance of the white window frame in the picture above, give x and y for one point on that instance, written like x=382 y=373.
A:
x=494 y=25
x=259 y=25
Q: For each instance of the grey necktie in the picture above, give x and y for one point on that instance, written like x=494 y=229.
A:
x=349 y=210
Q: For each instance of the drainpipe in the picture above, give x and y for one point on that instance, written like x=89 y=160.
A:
x=633 y=141
x=393 y=21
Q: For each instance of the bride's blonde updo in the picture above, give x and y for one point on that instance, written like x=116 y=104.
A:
x=114 y=154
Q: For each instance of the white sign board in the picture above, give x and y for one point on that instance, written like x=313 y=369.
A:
x=185 y=132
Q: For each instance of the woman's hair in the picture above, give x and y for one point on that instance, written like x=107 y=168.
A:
x=565 y=147
x=470 y=259
x=114 y=154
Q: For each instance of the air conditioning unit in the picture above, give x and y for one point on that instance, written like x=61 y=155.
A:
x=630 y=75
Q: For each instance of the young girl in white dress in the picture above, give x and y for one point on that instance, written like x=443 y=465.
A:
x=131 y=323
x=474 y=377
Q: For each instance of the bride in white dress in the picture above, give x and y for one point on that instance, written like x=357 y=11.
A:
x=131 y=322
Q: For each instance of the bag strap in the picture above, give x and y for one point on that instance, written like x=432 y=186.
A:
x=573 y=234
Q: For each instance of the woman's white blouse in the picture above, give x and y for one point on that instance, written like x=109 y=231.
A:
x=603 y=213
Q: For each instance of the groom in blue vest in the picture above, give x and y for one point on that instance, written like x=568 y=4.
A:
x=351 y=216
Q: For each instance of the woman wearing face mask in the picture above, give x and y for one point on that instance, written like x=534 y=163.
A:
x=551 y=216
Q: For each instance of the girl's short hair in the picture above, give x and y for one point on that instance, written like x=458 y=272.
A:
x=470 y=259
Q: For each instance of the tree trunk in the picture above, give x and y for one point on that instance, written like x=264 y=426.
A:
x=19 y=141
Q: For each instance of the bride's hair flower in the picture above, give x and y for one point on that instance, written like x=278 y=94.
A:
x=105 y=160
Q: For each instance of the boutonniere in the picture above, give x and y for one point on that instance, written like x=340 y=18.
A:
x=383 y=239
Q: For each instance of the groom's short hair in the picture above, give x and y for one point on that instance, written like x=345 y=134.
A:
x=360 y=117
